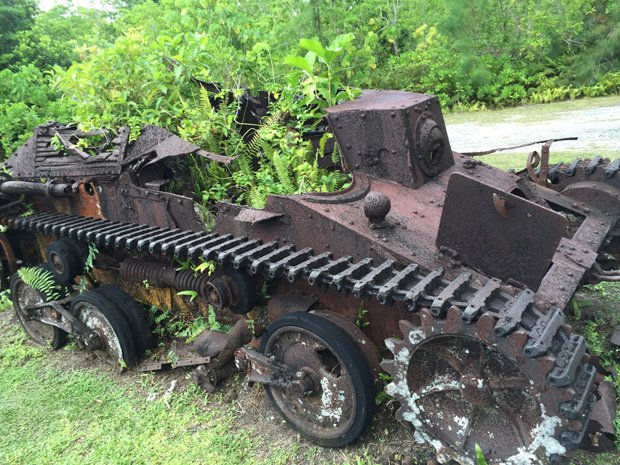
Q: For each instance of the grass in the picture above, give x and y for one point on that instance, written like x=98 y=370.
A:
x=82 y=417
x=510 y=160
x=5 y=300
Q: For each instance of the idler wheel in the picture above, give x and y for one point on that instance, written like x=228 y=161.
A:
x=24 y=295
x=101 y=315
x=339 y=404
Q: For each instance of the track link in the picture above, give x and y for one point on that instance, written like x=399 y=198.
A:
x=584 y=169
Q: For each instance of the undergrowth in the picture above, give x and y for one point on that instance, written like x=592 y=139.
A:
x=168 y=325
x=5 y=300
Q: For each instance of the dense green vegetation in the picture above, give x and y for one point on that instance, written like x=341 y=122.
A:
x=137 y=62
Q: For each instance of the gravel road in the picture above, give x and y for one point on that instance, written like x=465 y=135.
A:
x=596 y=122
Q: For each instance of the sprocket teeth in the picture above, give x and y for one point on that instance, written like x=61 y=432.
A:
x=485 y=328
x=516 y=343
x=400 y=414
x=568 y=329
x=427 y=321
x=545 y=364
x=394 y=345
x=388 y=365
x=405 y=327
x=454 y=321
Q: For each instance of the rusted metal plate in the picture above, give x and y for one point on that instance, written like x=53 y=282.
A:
x=156 y=144
x=39 y=158
x=571 y=260
x=499 y=233
x=252 y=216
x=122 y=200
x=397 y=136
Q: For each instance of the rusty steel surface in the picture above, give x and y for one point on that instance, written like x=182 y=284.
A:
x=123 y=200
x=459 y=270
x=397 y=136
x=40 y=157
x=8 y=262
x=497 y=232
x=463 y=385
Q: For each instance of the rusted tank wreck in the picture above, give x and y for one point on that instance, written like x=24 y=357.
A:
x=448 y=274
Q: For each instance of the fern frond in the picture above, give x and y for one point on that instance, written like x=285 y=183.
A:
x=259 y=136
x=135 y=129
x=256 y=198
x=41 y=280
x=281 y=166
x=205 y=102
x=336 y=154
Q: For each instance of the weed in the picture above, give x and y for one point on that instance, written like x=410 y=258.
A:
x=168 y=325
x=28 y=210
x=480 y=456
x=360 y=320
x=203 y=266
x=5 y=300
x=89 y=263
x=165 y=323
x=188 y=293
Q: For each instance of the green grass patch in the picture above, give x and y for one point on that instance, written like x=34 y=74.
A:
x=89 y=416
x=517 y=161
x=5 y=300
x=84 y=418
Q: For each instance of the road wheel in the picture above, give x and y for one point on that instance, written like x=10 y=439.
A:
x=134 y=314
x=341 y=403
x=101 y=315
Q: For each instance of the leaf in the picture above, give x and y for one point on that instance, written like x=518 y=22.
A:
x=480 y=456
x=189 y=293
x=298 y=62
x=340 y=42
x=313 y=45
x=324 y=138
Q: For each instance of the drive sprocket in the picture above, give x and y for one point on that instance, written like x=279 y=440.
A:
x=462 y=385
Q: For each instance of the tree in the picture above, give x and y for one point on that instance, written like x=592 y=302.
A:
x=599 y=45
x=15 y=16
x=58 y=34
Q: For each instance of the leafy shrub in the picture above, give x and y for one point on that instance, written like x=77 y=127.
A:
x=27 y=100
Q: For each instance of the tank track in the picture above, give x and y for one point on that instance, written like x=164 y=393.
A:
x=564 y=173
x=548 y=339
